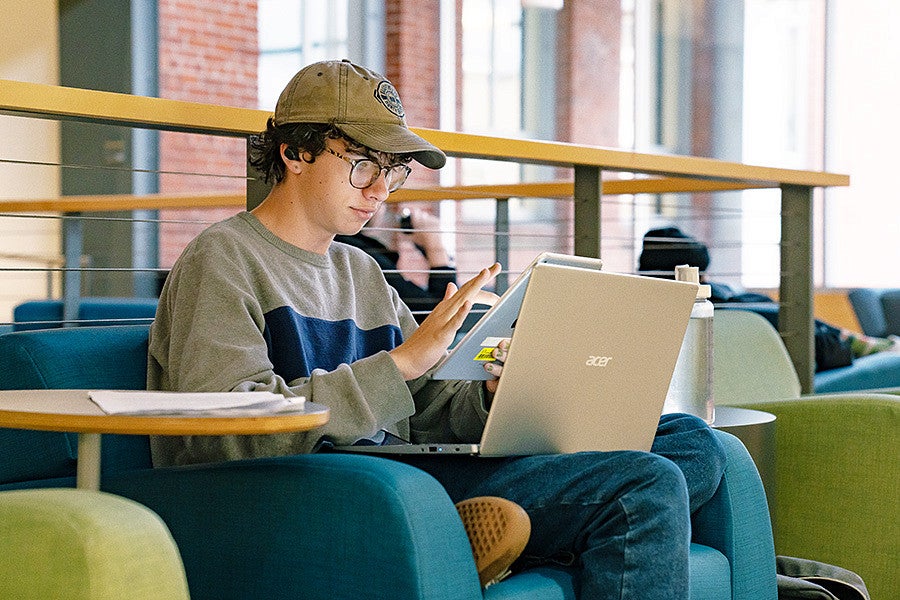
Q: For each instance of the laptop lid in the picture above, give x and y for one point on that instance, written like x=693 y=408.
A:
x=589 y=364
x=467 y=358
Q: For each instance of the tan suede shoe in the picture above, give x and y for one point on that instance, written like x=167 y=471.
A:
x=498 y=531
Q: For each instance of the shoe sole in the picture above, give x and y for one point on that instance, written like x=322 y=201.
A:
x=498 y=531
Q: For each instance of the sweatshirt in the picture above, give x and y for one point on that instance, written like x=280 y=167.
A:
x=243 y=310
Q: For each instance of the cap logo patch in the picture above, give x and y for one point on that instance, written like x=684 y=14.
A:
x=388 y=96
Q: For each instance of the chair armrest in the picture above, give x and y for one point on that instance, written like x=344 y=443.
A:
x=326 y=526
x=837 y=483
x=62 y=543
x=736 y=523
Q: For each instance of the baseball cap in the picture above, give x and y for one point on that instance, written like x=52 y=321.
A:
x=362 y=103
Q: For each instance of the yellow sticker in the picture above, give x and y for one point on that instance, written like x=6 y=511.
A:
x=485 y=354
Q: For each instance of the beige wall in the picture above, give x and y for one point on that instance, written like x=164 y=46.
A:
x=28 y=53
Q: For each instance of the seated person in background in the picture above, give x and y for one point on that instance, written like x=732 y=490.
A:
x=665 y=248
x=426 y=238
x=266 y=301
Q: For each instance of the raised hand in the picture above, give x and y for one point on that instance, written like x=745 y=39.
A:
x=429 y=342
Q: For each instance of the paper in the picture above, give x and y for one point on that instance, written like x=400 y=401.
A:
x=133 y=402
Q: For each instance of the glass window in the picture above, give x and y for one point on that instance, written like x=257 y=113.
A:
x=294 y=33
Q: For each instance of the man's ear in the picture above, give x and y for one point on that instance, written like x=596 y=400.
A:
x=291 y=153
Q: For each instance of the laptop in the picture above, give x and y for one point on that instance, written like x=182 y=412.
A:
x=588 y=368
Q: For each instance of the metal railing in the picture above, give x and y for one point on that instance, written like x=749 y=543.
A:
x=650 y=173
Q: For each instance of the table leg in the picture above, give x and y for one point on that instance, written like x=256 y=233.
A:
x=87 y=471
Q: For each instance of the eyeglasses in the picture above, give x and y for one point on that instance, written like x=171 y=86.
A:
x=365 y=171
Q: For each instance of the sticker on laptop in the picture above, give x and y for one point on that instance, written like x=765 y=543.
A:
x=487 y=349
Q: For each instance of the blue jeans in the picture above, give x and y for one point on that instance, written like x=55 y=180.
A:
x=621 y=519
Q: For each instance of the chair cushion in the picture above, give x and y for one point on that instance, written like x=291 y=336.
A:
x=48 y=314
x=70 y=358
x=876 y=371
x=877 y=310
x=710 y=580
x=710 y=574
x=85 y=545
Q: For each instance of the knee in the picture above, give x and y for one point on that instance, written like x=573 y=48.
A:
x=658 y=492
x=657 y=480
x=674 y=423
x=681 y=436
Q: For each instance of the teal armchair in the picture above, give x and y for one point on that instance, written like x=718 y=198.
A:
x=79 y=545
x=328 y=526
x=837 y=480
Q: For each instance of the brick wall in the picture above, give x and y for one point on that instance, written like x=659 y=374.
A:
x=588 y=65
x=588 y=84
x=412 y=63
x=412 y=48
x=207 y=53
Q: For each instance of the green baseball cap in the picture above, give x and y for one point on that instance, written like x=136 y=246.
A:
x=362 y=103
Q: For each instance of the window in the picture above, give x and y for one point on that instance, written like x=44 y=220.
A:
x=294 y=33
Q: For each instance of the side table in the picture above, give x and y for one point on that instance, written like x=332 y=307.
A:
x=756 y=430
x=74 y=411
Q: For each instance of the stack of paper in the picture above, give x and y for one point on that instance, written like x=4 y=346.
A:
x=136 y=402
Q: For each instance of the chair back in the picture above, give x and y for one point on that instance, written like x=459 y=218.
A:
x=877 y=310
x=750 y=362
x=113 y=357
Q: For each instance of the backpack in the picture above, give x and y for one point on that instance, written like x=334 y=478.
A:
x=803 y=579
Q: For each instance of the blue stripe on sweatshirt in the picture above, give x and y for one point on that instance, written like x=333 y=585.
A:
x=299 y=344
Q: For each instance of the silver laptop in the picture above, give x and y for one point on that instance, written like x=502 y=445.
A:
x=589 y=365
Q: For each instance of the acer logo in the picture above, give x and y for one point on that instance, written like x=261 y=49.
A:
x=598 y=361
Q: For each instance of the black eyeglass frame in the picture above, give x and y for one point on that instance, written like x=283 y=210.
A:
x=395 y=175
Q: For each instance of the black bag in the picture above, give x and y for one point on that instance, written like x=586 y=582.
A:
x=802 y=579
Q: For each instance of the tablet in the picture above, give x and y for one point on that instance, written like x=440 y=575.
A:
x=467 y=358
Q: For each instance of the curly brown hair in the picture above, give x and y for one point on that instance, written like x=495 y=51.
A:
x=306 y=138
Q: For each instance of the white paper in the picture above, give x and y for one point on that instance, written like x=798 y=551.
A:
x=132 y=402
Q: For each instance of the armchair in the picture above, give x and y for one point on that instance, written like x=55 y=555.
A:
x=328 y=526
x=837 y=481
x=877 y=310
x=74 y=544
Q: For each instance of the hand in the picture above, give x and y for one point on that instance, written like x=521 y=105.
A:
x=496 y=368
x=435 y=334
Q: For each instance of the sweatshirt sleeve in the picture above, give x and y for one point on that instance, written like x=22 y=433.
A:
x=209 y=336
x=447 y=411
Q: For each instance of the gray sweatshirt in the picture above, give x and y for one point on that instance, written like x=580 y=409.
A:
x=243 y=310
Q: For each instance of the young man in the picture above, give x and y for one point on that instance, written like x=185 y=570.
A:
x=267 y=301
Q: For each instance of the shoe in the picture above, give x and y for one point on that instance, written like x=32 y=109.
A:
x=498 y=531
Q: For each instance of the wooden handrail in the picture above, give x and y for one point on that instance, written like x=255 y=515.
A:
x=551 y=189
x=588 y=163
x=57 y=102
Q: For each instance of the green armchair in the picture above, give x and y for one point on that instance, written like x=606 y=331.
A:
x=79 y=545
x=837 y=480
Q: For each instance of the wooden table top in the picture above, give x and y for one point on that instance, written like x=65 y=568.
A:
x=74 y=411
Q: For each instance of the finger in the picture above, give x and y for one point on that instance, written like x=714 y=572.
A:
x=469 y=291
x=486 y=297
x=474 y=285
x=451 y=289
x=494 y=369
x=499 y=354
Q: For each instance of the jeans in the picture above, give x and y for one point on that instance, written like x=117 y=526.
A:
x=620 y=519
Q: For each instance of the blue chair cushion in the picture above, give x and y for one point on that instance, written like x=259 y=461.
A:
x=876 y=371
x=48 y=314
x=77 y=358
